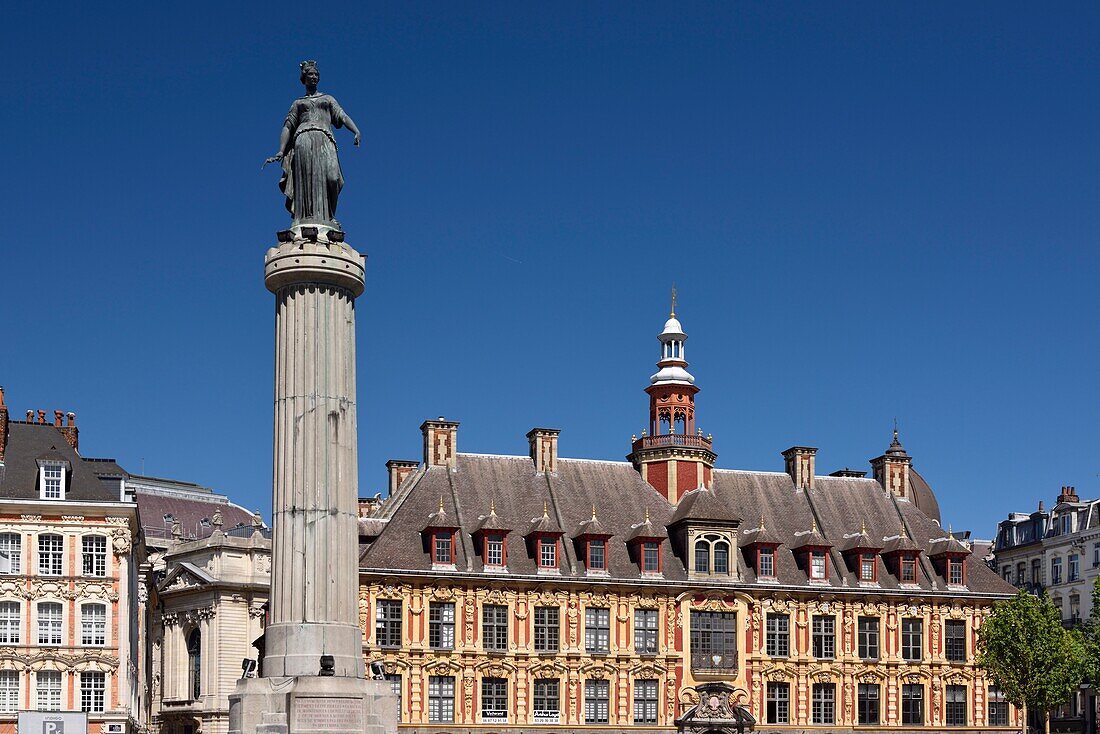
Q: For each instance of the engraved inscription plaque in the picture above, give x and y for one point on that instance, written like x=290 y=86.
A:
x=314 y=713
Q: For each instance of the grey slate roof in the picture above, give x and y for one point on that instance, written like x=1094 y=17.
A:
x=840 y=506
x=87 y=480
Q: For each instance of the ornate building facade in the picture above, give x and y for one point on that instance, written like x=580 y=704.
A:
x=542 y=593
x=69 y=546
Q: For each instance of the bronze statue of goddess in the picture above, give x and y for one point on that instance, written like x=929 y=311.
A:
x=311 y=178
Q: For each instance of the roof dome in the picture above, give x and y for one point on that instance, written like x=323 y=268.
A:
x=673 y=373
x=673 y=328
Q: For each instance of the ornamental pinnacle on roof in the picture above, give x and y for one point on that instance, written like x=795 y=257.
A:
x=672 y=453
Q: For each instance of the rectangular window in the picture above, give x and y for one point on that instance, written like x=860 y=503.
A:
x=823 y=706
x=955 y=710
x=651 y=557
x=441 y=699
x=596 y=698
x=912 y=704
x=714 y=641
x=817 y=564
x=908 y=570
x=597 y=630
x=547 y=706
x=9 y=691
x=777 y=641
x=779 y=702
x=645 y=702
x=387 y=623
x=955 y=571
x=11 y=553
x=396 y=689
x=645 y=631
x=824 y=636
x=93 y=689
x=93 y=624
x=1095 y=554
x=868 y=638
x=1074 y=567
x=49 y=623
x=998 y=707
x=548 y=553
x=546 y=629
x=48 y=690
x=494 y=627
x=912 y=639
x=51 y=481
x=1055 y=570
x=954 y=638
x=494 y=551
x=866 y=567
x=597 y=555
x=443 y=548
x=441 y=625
x=1036 y=571
x=93 y=557
x=494 y=701
x=868 y=699
x=766 y=564
x=10 y=622
x=50 y=554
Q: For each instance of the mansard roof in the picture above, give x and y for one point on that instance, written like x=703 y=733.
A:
x=623 y=498
x=87 y=480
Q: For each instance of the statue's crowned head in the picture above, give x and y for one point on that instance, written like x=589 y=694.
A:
x=309 y=69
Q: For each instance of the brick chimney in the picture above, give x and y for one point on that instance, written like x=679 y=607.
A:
x=3 y=426
x=799 y=462
x=398 y=469
x=1068 y=494
x=440 y=442
x=67 y=427
x=891 y=470
x=543 y=449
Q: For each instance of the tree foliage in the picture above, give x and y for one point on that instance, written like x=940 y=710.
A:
x=1029 y=655
x=1090 y=631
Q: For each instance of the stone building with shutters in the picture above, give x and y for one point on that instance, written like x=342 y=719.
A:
x=69 y=550
x=542 y=593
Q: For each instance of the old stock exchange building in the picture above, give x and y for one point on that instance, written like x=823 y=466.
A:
x=535 y=592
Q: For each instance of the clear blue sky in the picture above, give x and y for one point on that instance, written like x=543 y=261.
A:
x=870 y=210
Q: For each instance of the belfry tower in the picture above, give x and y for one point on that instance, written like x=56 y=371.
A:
x=672 y=454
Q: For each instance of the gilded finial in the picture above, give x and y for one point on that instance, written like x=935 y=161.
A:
x=863 y=528
x=647 y=514
x=901 y=530
x=545 y=509
x=761 y=520
x=441 y=503
x=493 y=506
x=813 y=526
x=672 y=313
x=593 y=511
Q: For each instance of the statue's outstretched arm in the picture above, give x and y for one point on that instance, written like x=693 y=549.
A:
x=284 y=139
x=350 y=125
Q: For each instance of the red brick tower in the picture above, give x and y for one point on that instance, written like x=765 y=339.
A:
x=672 y=455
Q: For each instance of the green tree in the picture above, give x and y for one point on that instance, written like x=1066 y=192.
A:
x=1029 y=655
x=1090 y=631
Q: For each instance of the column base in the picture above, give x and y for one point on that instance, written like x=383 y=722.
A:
x=295 y=649
x=312 y=705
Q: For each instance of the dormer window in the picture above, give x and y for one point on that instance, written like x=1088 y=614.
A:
x=955 y=574
x=765 y=563
x=651 y=557
x=712 y=555
x=443 y=548
x=867 y=567
x=597 y=555
x=52 y=473
x=908 y=574
x=548 y=552
x=494 y=550
x=818 y=565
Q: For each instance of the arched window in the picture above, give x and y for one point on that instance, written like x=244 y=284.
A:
x=702 y=556
x=721 y=557
x=194 y=663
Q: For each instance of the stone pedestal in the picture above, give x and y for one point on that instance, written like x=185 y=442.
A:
x=312 y=705
x=314 y=614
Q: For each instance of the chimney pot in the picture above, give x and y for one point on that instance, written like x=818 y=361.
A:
x=543 y=448
x=71 y=416
x=800 y=462
x=57 y=416
x=30 y=416
x=42 y=417
x=1041 y=507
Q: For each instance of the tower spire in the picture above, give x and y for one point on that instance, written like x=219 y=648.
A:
x=672 y=312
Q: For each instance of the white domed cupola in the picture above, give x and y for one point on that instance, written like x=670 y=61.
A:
x=673 y=363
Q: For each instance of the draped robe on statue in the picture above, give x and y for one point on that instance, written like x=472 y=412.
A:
x=311 y=169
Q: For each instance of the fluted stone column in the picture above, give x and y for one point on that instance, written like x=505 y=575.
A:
x=314 y=580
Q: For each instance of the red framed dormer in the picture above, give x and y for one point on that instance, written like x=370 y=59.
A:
x=645 y=542
x=491 y=541
x=812 y=553
x=902 y=558
x=439 y=535
x=949 y=557
x=544 y=539
x=592 y=545
x=861 y=554
x=762 y=552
